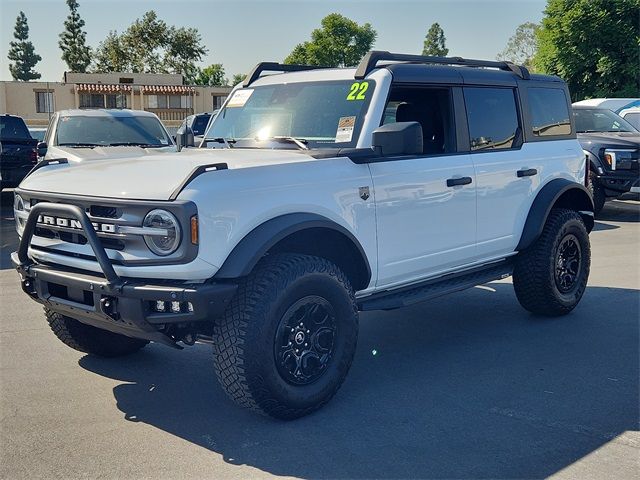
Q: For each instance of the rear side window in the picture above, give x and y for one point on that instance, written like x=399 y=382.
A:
x=13 y=128
x=549 y=112
x=492 y=117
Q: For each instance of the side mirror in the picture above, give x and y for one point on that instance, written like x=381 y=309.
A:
x=400 y=138
x=42 y=149
x=184 y=138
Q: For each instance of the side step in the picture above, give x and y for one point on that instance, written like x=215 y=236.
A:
x=437 y=287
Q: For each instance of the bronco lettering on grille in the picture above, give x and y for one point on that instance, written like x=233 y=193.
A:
x=51 y=221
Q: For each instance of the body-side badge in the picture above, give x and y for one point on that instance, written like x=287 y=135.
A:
x=364 y=193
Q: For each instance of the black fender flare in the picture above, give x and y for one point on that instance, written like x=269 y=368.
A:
x=570 y=194
x=248 y=252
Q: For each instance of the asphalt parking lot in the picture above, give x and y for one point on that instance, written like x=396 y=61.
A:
x=466 y=386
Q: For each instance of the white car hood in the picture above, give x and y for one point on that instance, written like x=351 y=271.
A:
x=100 y=153
x=151 y=177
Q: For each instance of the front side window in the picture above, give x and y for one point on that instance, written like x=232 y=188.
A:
x=321 y=114
x=110 y=131
x=492 y=117
x=590 y=120
x=549 y=112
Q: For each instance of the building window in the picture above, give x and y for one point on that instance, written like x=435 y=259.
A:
x=164 y=102
x=118 y=100
x=44 y=102
x=91 y=100
x=218 y=100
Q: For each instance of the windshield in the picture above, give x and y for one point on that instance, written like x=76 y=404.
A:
x=200 y=124
x=111 y=131
x=319 y=114
x=600 y=120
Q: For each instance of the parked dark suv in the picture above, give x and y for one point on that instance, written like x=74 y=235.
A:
x=18 y=152
x=612 y=146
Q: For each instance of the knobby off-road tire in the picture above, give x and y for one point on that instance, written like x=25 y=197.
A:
x=597 y=192
x=551 y=275
x=91 y=340
x=290 y=307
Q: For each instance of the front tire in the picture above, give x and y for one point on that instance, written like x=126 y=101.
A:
x=551 y=275
x=91 y=340
x=286 y=342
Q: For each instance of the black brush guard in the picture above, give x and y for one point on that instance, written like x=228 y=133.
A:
x=110 y=302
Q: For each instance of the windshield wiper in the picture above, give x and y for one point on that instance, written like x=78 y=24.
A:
x=301 y=143
x=78 y=145
x=136 y=144
x=228 y=142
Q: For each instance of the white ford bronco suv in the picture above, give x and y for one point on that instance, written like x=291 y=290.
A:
x=317 y=193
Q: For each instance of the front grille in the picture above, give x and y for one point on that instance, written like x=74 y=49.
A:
x=103 y=212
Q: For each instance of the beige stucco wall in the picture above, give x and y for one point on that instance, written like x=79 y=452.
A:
x=114 y=77
x=19 y=98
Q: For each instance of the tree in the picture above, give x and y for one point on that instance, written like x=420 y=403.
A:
x=22 y=53
x=75 y=52
x=339 y=42
x=237 y=78
x=150 y=45
x=593 y=45
x=110 y=56
x=522 y=46
x=212 y=76
x=434 y=42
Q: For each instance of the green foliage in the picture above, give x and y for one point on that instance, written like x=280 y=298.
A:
x=522 y=46
x=22 y=53
x=150 y=45
x=75 y=52
x=593 y=45
x=435 y=42
x=339 y=42
x=212 y=76
x=237 y=78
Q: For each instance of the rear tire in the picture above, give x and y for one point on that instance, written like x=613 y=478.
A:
x=597 y=192
x=287 y=340
x=88 y=339
x=551 y=275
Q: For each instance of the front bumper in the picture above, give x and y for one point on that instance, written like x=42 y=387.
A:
x=616 y=183
x=109 y=302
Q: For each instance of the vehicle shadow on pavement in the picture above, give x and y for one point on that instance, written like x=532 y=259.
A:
x=466 y=386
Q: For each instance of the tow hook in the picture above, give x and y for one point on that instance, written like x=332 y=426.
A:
x=108 y=307
x=29 y=287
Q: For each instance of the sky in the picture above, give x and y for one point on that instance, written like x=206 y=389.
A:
x=241 y=33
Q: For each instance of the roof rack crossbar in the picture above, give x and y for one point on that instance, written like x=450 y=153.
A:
x=371 y=59
x=274 y=67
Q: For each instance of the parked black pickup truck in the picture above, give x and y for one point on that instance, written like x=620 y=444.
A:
x=612 y=146
x=18 y=151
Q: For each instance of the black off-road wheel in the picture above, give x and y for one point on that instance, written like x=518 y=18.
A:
x=551 y=275
x=91 y=340
x=597 y=192
x=287 y=340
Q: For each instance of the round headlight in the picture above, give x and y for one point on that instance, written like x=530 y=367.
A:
x=164 y=243
x=18 y=203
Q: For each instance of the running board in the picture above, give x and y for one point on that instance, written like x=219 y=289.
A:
x=437 y=287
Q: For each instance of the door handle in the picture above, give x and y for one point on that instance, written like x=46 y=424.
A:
x=453 y=182
x=527 y=172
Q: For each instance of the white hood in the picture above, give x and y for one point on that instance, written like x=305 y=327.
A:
x=103 y=153
x=152 y=177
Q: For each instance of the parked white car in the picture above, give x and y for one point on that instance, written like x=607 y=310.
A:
x=324 y=192
x=631 y=115
x=96 y=134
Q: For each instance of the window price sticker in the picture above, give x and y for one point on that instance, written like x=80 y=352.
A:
x=239 y=98
x=345 y=129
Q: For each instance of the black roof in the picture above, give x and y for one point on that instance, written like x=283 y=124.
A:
x=426 y=73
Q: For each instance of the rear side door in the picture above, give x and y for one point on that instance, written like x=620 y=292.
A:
x=506 y=173
x=425 y=204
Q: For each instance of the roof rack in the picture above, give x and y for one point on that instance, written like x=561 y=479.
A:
x=371 y=59
x=274 y=67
